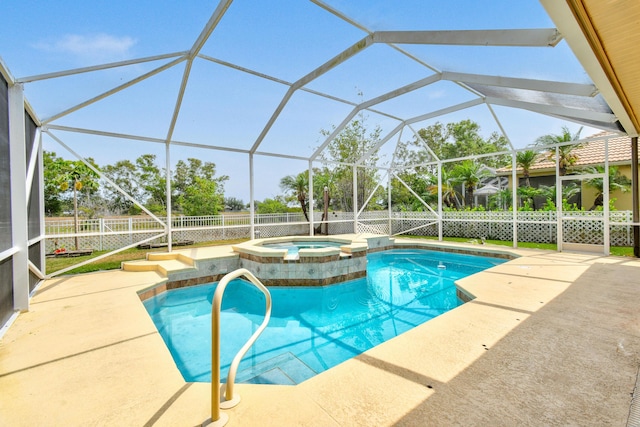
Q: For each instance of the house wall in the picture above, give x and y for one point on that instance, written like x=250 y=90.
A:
x=624 y=201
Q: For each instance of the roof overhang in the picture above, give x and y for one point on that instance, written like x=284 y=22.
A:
x=604 y=36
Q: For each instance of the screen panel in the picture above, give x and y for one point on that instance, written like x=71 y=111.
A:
x=5 y=172
x=33 y=203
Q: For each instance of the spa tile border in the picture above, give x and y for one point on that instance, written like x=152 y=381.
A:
x=314 y=282
x=478 y=252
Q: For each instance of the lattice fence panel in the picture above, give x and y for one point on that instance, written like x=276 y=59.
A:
x=536 y=232
x=282 y=230
x=535 y=226
x=340 y=227
x=587 y=232
x=584 y=230
x=621 y=235
x=403 y=225
x=105 y=242
x=375 y=227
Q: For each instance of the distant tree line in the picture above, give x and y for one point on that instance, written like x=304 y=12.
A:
x=72 y=186
x=195 y=188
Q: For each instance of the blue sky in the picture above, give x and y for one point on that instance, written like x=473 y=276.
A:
x=285 y=39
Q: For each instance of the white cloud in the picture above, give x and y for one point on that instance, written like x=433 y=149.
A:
x=91 y=48
x=437 y=94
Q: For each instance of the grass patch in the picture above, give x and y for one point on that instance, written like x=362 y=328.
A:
x=114 y=261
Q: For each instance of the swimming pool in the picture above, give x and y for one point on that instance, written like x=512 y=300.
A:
x=312 y=328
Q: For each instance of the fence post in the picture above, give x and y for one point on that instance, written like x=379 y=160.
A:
x=130 y=230
x=223 y=229
x=627 y=219
x=101 y=229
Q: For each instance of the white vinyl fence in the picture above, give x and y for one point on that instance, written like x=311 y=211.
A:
x=536 y=226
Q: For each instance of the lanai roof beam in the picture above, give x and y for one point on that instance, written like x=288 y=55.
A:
x=541 y=37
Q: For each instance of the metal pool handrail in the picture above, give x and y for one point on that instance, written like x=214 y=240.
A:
x=218 y=419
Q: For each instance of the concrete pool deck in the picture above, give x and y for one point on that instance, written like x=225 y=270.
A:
x=551 y=339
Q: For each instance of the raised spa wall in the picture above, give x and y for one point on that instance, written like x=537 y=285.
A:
x=313 y=267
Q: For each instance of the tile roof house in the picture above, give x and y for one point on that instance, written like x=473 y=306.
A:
x=591 y=153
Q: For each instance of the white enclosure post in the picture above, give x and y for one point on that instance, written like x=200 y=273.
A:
x=168 y=190
x=252 y=229
x=389 y=210
x=514 y=197
x=559 y=212
x=605 y=204
x=43 y=241
x=355 y=199
x=19 y=231
x=310 y=198
x=440 y=224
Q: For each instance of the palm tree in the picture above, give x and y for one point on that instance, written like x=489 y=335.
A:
x=449 y=193
x=526 y=159
x=567 y=157
x=469 y=173
x=617 y=181
x=528 y=194
x=501 y=199
x=298 y=185
x=568 y=191
x=323 y=187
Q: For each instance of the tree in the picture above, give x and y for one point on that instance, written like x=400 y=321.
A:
x=526 y=159
x=297 y=186
x=462 y=139
x=189 y=178
x=153 y=183
x=234 y=204
x=74 y=176
x=453 y=140
x=275 y=205
x=323 y=188
x=528 y=194
x=450 y=196
x=322 y=178
x=469 y=173
x=347 y=148
x=617 y=181
x=124 y=174
x=501 y=200
x=201 y=197
x=549 y=192
x=421 y=184
x=566 y=155
x=52 y=191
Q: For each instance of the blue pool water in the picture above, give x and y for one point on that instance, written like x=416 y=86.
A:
x=312 y=328
x=294 y=247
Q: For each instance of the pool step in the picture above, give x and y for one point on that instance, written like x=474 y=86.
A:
x=164 y=263
x=164 y=267
x=285 y=369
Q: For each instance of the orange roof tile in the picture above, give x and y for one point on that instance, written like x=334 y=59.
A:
x=590 y=153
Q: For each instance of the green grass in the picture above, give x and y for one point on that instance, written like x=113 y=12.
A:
x=114 y=261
